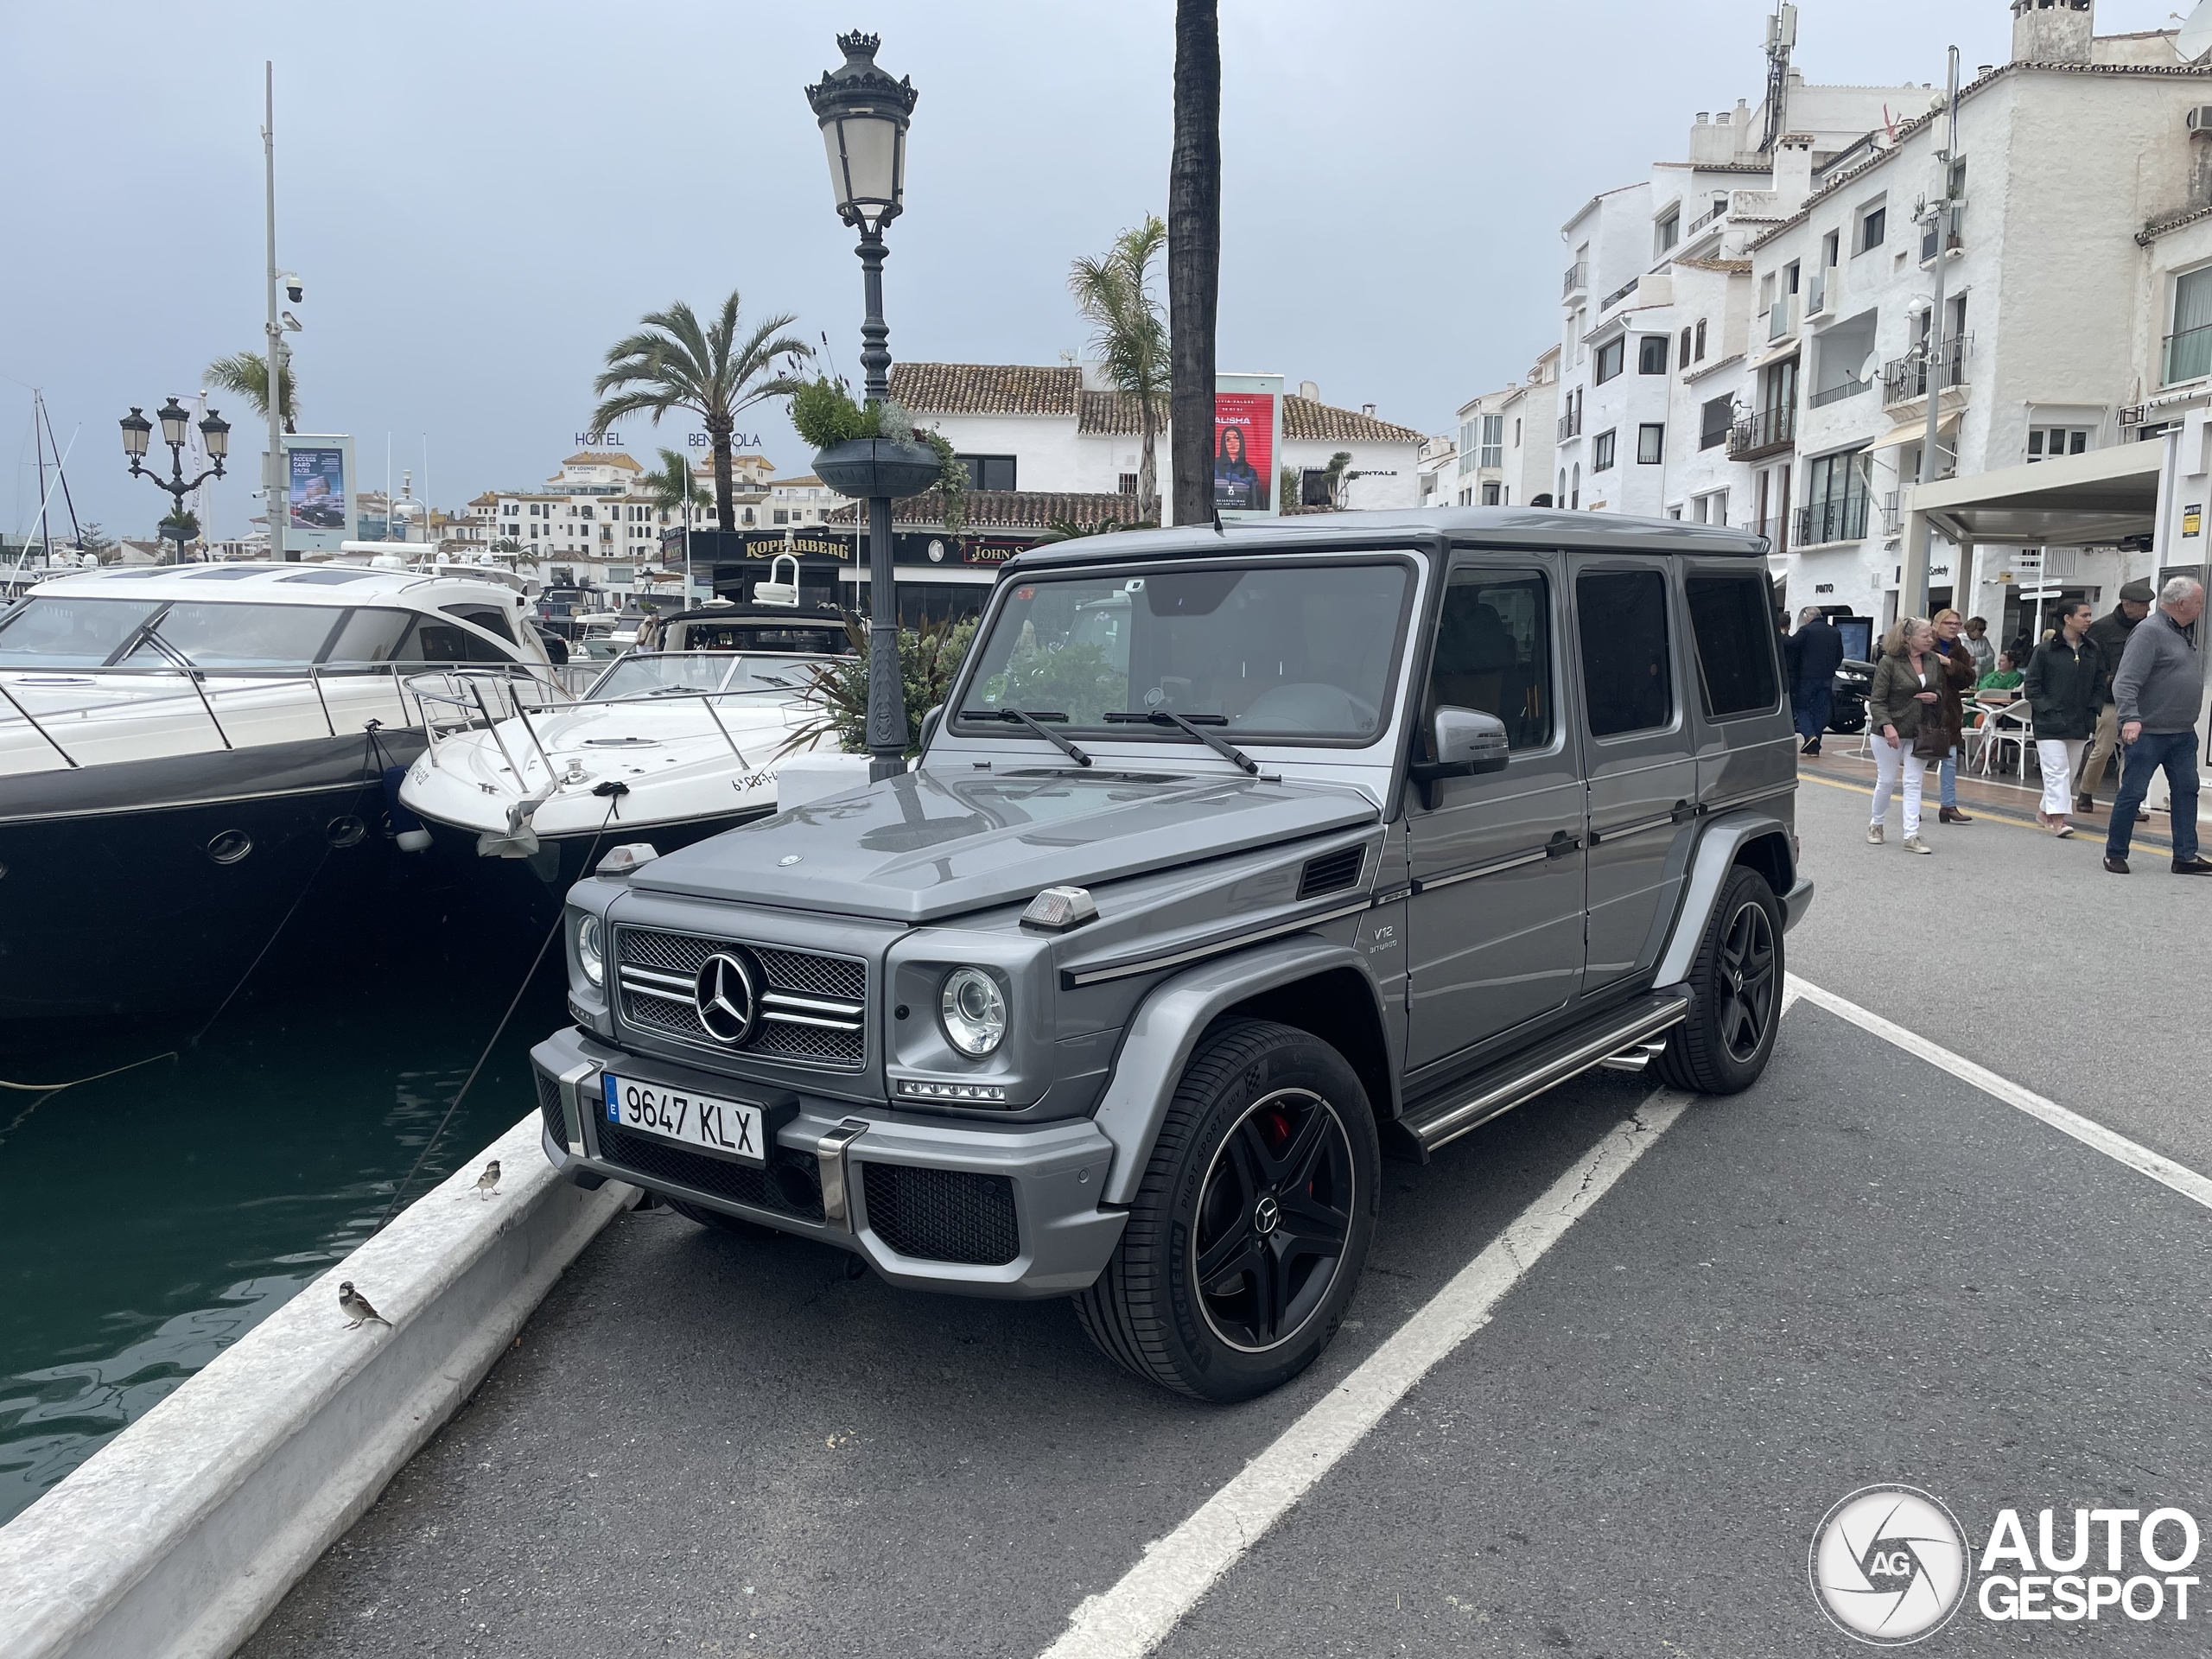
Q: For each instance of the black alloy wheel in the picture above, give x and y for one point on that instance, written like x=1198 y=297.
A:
x=1274 y=1216
x=1748 y=964
x=1247 y=1233
x=1736 y=986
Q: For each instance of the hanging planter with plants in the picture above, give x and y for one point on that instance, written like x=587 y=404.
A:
x=864 y=451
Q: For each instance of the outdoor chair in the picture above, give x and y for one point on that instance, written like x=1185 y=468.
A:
x=2005 y=723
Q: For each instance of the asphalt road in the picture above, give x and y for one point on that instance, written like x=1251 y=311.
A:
x=1862 y=1270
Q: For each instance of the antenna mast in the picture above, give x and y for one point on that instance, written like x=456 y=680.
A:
x=1781 y=40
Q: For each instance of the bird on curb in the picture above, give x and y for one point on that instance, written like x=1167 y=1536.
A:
x=355 y=1307
x=488 y=1182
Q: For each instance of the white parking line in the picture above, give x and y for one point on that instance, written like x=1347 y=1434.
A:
x=2115 y=1146
x=1134 y=1616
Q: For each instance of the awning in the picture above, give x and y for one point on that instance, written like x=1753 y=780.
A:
x=2069 y=501
x=1912 y=432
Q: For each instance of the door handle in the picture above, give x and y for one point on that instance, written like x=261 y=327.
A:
x=1562 y=844
x=1684 y=810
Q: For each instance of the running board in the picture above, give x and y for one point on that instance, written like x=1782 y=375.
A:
x=1525 y=1076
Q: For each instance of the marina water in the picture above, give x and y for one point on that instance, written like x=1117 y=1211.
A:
x=150 y=1219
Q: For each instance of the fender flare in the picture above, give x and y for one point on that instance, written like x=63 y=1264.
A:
x=1714 y=856
x=1166 y=1026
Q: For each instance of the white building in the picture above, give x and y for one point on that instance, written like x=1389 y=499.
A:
x=1503 y=454
x=1745 y=331
x=1062 y=431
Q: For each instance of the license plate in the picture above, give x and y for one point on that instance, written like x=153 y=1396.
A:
x=734 y=1129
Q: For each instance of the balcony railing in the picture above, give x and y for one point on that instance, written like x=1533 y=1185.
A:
x=1836 y=394
x=2187 y=355
x=1778 y=318
x=1619 y=293
x=1570 y=424
x=1578 y=276
x=1842 y=520
x=1906 y=377
x=1703 y=220
x=1763 y=433
x=1958 y=234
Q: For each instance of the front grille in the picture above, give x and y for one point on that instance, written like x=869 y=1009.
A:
x=943 y=1215
x=836 y=1036
x=1331 y=873
x=792 y=1183
x=549 y=1101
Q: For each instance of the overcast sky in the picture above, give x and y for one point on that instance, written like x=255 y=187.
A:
x=482 y=197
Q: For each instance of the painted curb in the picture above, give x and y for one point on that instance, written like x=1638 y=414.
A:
x=177 y=1538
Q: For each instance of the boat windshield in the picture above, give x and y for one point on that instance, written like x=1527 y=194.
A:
x=1295 y=651
x=70 y=633
x=677 y=673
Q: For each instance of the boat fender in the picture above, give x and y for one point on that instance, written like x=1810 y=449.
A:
x=406 y=829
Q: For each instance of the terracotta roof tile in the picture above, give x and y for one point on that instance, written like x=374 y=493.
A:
x=986 y=388
x=1114 y=413
x=990 y=510
x=1308 y=419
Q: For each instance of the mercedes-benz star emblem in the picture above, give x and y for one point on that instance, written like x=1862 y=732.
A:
x=723 y=993
x=1266 y=1214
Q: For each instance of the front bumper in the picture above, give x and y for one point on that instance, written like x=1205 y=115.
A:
x=930 y=1203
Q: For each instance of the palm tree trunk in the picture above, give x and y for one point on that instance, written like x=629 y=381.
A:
x=1149 y=465
x=1194 y=253
x=719 y=430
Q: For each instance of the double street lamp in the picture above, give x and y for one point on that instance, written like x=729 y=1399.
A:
x=175 y=419
x=864 y=116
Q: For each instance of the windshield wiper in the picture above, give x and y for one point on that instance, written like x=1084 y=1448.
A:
x=1190 y=725
x=1030 y=718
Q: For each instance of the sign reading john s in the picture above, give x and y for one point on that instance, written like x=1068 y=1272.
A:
x=814 y=546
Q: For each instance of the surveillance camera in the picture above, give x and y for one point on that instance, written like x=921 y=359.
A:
x=294 y=290
x=293 y=323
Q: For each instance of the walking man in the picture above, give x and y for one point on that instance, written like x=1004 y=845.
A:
x=2111 y=634
x=1816 y=651
x=2158 y=689
x=2065 y=682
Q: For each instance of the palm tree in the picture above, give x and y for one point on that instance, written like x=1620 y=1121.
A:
x=1194 y=251
x=673 y=363
x=674 y=486
x=1131 y=335
x=246 y=374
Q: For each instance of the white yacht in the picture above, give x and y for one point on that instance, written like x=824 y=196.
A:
x=184 y=749
x=669 y=746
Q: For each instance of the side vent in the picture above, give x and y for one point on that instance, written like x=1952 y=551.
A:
x=1331 y=873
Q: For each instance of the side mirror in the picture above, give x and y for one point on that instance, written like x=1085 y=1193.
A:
x=1468 y=743
x=930 y=721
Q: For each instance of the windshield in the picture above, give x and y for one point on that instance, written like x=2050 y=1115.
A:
x=242 y=636
x=69 y=633
x=671 y=673
x=1291 y=652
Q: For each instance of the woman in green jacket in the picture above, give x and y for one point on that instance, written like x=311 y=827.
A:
x=1907 y=681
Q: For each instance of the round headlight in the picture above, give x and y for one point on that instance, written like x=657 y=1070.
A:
x=973 y=1009
x=591 y=952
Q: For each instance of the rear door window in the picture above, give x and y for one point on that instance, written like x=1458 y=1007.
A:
x=1621 y=618
x=1732 y=620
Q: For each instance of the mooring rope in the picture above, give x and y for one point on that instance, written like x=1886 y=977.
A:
x=615 y=795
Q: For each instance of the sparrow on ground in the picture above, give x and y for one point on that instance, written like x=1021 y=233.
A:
x=355 y=1307
x=488 y=1182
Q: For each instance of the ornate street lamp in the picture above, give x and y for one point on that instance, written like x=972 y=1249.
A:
x=864 y=115
x=175 y=419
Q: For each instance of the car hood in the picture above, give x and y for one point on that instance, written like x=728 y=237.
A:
x=925 y=845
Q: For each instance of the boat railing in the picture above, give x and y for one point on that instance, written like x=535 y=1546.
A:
x=482 y=697
x=210 y=683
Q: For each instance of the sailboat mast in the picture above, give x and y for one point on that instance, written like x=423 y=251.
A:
x=38 y=438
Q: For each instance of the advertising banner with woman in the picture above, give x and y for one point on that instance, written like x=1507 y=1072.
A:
x=1247 y=432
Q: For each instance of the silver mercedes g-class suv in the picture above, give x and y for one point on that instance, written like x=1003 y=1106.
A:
x=1235 y=856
